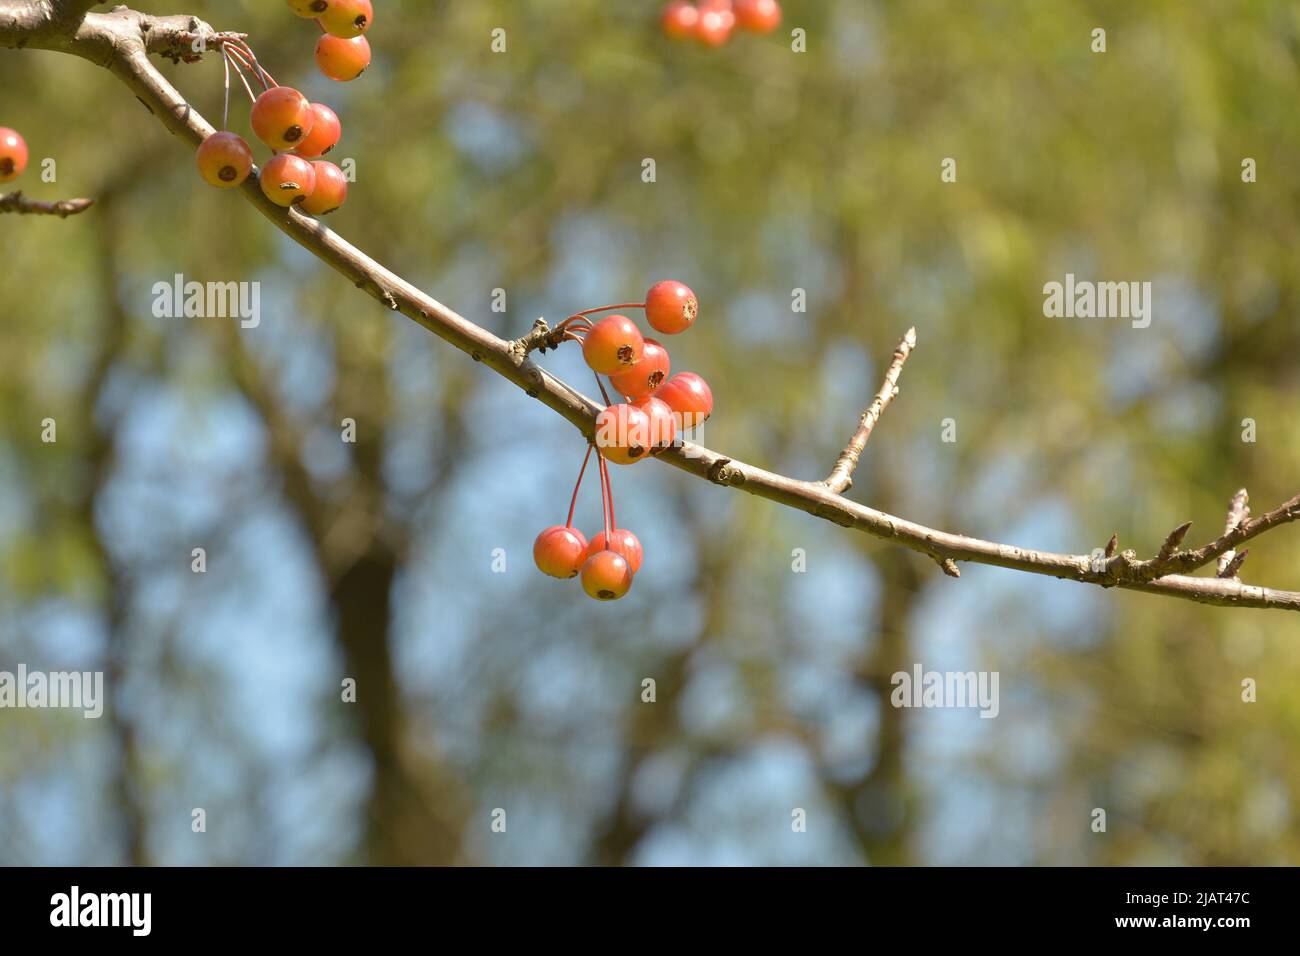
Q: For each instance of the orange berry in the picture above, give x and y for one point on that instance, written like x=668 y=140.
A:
x=348 y=18
x=623 y=542
x=330 y=191
x=613 y=344
x=325 y=132
x=282 y=117
x=671 y=307
x=606 y=576
x=646 y=375
x=13 y=154
x=224 y=160
x=560 y=551
x=287 y=179
x=342 y=59
x=623 y=434
x=663 y=422
x=310 y=9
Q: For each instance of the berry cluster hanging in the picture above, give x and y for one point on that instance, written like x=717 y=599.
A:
x=298 y=131
x=656 y=410
x=712 y=22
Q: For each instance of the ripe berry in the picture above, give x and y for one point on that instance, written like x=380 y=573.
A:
x=330 y=192
x=671 y=307
x=310 y=9
x=715 y=26
x=325 y=132
x=282 y=117
x=622 y=542
x=663 y=422
x=680 y=19
x=341 y=59
x=287 y=179
x=759 y=16
x=348 y=18
x=606 y=576
x=689 y=396
x=646 y=375
x=623 y=434
x=613 y=344
x=560 y=551
x=224 y=160
x=13 y=154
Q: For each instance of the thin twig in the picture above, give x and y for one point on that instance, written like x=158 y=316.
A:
x=1238 y=511
x=16 y=202
x=841 y=476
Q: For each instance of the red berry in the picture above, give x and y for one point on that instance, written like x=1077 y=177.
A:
x=560 y=551
x=348 y=18
x=282 y=117
x=623 y=542
x=613 y=344
x=758 y=16
x=623 y=434
x=224 y=160
x=13 y=154
x=606 y=576
x=341 y=59
x=715 y=26
x=680 y=18
x=689 y=396
x=325 y=132
x=330 y=191
x=310 y=9
x=287 y=179
x=671 y=307
x=663 y=422
x=646 y=375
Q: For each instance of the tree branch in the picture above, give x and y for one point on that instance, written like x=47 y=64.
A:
x=121 y=41
x=18 y=203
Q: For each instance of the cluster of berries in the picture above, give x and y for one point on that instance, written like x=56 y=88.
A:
x=343 y=52
x=712 y=22
x=657 y=409
x=300 y=132
x=13 y=154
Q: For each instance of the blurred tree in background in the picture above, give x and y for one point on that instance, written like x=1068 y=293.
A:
x=775 y=171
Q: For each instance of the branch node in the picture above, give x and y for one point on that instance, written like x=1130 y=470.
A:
x=1230 y=569
x=718 y=472
x=1170 y=547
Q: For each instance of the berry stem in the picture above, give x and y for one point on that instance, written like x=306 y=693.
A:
x=578 y=484
x=225 y=108
x=234 y=61
x=575 y=320
x=613 y=521
x=244 y=54
x=610 y=308
x=604 y=496
x=603 y=394
x=266 y=74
